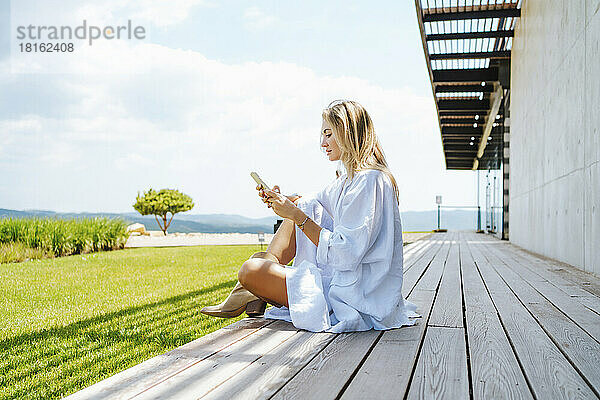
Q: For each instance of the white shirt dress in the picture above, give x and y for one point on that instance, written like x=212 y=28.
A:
x=351 y=281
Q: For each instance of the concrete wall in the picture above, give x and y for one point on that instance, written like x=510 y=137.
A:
x=555 y=131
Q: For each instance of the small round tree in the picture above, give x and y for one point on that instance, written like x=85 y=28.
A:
x=162 y=203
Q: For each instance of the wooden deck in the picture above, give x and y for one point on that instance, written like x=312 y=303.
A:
x=498 y=323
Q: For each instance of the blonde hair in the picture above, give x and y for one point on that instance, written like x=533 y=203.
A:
x=355 y=135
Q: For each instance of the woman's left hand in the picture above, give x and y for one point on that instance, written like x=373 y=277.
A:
x=280 y=204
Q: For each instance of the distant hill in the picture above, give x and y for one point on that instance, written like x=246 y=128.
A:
x=228 y=223
x=209 y=223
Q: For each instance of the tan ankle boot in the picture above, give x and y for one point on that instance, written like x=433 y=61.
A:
x=240 y=299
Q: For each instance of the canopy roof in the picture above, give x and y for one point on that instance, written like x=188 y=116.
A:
x=467 y=46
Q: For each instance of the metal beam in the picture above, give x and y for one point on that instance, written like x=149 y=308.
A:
x=460 y=149
x=464 y=143
x=466 y=130
x=465 y=75
x=464 y=56
x=453 y=164
x=466 y=158
x=463 y=88
x=474 y=105
x=466 y=121
x=453 y=113
x=459 y=142
x=461 y=162
x=472 y=150
x=496 y=103
x=457 y=147
x=462 y=153
x=470 y=35
x=461 y=138
x=451 y=16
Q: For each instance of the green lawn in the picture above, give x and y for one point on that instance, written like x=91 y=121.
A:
x=69 y=322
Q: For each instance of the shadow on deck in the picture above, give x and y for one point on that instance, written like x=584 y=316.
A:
x=497 y=322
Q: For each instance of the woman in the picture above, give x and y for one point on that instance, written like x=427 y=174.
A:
x=346 y=243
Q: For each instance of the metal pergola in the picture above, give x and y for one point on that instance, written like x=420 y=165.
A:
x=467 y=45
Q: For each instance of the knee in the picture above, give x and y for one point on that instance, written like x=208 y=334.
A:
x=265 y=255
x=242 y=275
x=247 y=271
x=259 y=254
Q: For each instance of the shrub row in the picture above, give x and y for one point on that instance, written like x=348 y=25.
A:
x=62 y=237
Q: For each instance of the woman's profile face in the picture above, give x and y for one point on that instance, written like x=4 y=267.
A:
x=328 y=142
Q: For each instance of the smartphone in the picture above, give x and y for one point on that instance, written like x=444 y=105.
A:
x=259 y=181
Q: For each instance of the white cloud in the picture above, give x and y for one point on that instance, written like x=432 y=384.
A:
x=257 y=19
x=186 y=121
x=132 y=160
x=23 y=125
x=59 y=154
x=161 y=13
x=167 y=12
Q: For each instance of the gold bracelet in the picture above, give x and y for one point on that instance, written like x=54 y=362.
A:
x=301 y=226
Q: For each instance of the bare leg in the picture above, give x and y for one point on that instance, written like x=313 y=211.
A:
x=260 y=276
x=265 y=279
x=283 y=245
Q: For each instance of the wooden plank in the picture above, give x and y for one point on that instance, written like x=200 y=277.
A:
x=412 y=275
x=263 y=378
x=200 y=378
x=386 y=371
x=441 y=371
x=495 y=372
x=325 y=376
x=429 y=241
x=590 y=301
x=529 y=271
x=577 y=345
x=447 y=309
x=431 y=277
x=423 y=252
x=549 y=373
x=552 y=269
x=541 y=273
x=584 y=279
x=410 y=261
x=388 y=367
x=412 y=249
x=584 y=317
x=131 y=381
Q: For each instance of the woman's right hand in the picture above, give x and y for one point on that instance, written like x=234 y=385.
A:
x=293 y=198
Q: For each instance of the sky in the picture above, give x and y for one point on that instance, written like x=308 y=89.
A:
x=214 y=91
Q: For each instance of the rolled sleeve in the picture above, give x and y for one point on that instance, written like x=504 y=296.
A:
x=359 y=225
x=323 y=245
